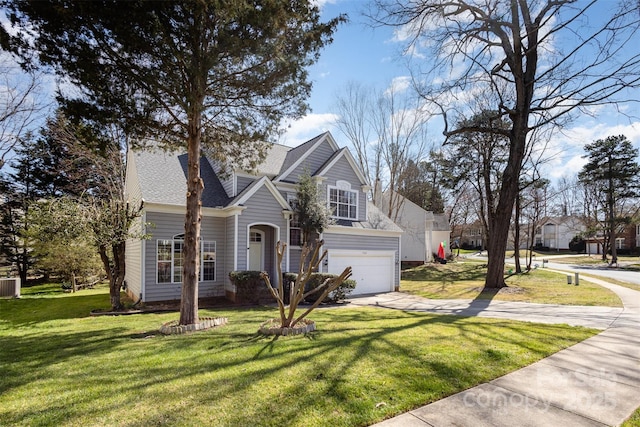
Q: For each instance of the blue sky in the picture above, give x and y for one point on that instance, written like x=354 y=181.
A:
x=373 y=57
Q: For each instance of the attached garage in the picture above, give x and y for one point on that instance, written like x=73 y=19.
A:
x=373 y=271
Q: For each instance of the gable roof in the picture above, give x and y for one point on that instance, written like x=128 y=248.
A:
x=297 y=155
x=252 y=188
x=346 y=154
x=274 y=159
x=162 y=177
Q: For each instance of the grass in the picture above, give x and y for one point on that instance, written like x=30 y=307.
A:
x=466 y=280
x=627 y=262
x=633 y=420
x=63 y=367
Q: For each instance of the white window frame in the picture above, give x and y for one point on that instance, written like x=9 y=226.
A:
x=346 y=187
x=212 y=258
x=175 y=272
x=291 y=198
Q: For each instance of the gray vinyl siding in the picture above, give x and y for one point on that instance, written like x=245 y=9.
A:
x=225 y=179
x=133 y=191
x=355 y=242
x=261 y=208
x=166 y=226
x=231 y=235
x=294 y=259
x=227 y=184
x=342 y=171
x=312 y=162
x=133 y=262
x=243 y=182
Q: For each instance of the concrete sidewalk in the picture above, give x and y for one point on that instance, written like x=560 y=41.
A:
x=593 y=383
x=588 y=316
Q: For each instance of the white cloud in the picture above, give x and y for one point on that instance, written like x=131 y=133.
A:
x=398 y=85
x=299 y=131
x=322 y=3
x=568 y=146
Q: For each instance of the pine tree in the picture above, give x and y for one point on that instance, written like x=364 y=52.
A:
x=612 y=165
x=187 y=74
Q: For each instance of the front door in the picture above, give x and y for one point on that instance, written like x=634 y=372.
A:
x=256 y=250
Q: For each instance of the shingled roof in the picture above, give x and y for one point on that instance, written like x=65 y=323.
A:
x=163 y=179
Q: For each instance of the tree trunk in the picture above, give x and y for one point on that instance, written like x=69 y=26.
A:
x=115 y=272
x=500 y=222
x=117 y=275
x=191 y=250
x=23 y=267
x=496 y=247
x=612 y=219
x=516 y=237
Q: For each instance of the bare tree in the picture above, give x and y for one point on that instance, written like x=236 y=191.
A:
x=22 y=103
x=97 y=161
x=533 y=199
x=460 y=211
x=506 y=53
x=354 y=106
x=310 y=260
x=387 y=129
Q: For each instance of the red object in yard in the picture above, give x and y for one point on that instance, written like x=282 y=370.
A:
x=441 y=251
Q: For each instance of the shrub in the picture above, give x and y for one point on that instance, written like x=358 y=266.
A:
x=250 y=287
x=339 y=294
x=577 y=244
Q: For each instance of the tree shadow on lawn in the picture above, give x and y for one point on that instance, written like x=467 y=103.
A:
x=23 y=356
x=431 y=376
x=353 y=354
x=446 y=273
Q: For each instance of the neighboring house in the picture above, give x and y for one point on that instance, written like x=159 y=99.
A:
x=555 y=233
x=244 y=215
x=627 y=241
x=470 y=235
x=629 y=238
x=423 y=230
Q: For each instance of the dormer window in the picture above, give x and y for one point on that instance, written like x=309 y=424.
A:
x=343 y=201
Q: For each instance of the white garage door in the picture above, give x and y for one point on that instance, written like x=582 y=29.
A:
x=373 y=271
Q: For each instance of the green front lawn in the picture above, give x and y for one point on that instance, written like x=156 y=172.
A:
x=62 y=367
x=633 y=420
x=466 y=280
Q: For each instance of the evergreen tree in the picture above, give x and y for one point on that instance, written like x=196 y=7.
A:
x=20 y=187
x=479 y=159
x=311 y=212
x=421 y=184
x=222 y=74
x=613 y=166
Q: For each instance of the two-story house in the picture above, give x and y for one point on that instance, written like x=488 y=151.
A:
x=555 y=233
x=244 y=215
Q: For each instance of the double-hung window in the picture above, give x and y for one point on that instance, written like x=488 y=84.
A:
x=295 y=232
x=170 y=260
x=343 y=201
